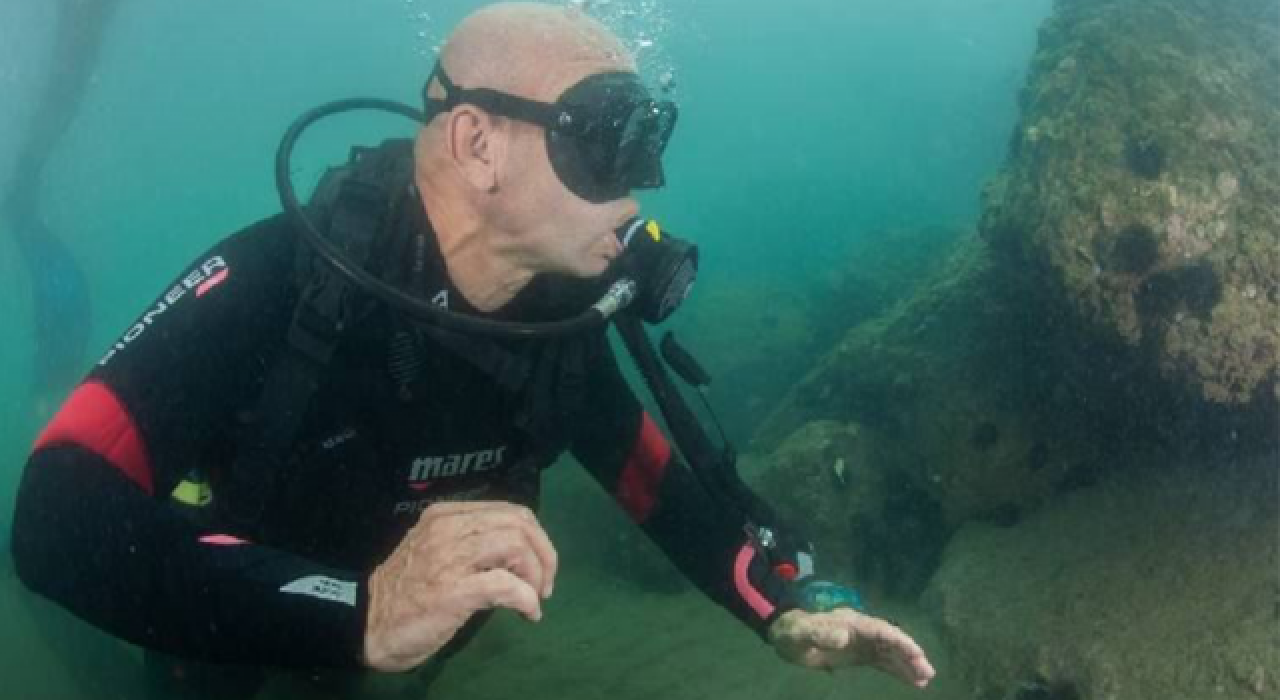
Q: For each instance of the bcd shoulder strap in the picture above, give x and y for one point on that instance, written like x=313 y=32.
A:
x=351 y=204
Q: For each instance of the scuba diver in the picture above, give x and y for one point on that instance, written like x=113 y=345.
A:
x=321 y=445
x=59 y=291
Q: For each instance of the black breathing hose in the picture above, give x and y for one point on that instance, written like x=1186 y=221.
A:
x=618 y=296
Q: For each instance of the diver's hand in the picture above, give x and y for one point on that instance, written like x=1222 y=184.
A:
x=459 y=559
x=845 y=637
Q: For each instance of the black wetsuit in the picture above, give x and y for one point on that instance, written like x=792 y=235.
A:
x=95 y=528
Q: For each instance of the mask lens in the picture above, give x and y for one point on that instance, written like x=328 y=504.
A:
x=615 y=137
x=641 y=142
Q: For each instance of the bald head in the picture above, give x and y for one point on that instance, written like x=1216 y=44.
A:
x=499 y=208
x=529 y=49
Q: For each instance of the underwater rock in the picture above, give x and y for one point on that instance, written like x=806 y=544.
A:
x=1156 y=582
x=942 y=385
x=1143 y=184
x=869 y=525
x=822 y=478
x=983 y=397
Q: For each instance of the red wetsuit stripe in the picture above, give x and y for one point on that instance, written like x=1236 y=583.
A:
x=641 y=476
x=94 y=418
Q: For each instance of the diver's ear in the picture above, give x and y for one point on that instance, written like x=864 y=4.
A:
x=476 y=146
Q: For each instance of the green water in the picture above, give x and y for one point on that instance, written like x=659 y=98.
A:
x=805 y=126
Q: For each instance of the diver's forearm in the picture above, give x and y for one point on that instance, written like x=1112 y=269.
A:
x=95 y=543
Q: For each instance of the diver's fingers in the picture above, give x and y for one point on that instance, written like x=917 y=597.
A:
x=447 y=523
x=503 y=548
x=898 y=654
x=499 y=588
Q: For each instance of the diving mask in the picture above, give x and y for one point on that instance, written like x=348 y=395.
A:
x=605 y=134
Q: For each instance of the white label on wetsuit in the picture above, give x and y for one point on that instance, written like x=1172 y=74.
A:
x=209 y=274
x=324 y=588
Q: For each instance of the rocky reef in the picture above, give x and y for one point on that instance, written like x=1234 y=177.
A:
x=1011 y=374
x=1067 y=434
x=1143 y=180
x=955 y=395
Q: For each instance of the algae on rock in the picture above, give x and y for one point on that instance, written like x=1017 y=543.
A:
x=868 y=527
x=940 y=386
x=1143 y=183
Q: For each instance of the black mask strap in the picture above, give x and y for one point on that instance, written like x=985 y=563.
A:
x=434 y=105
x=495 y=102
